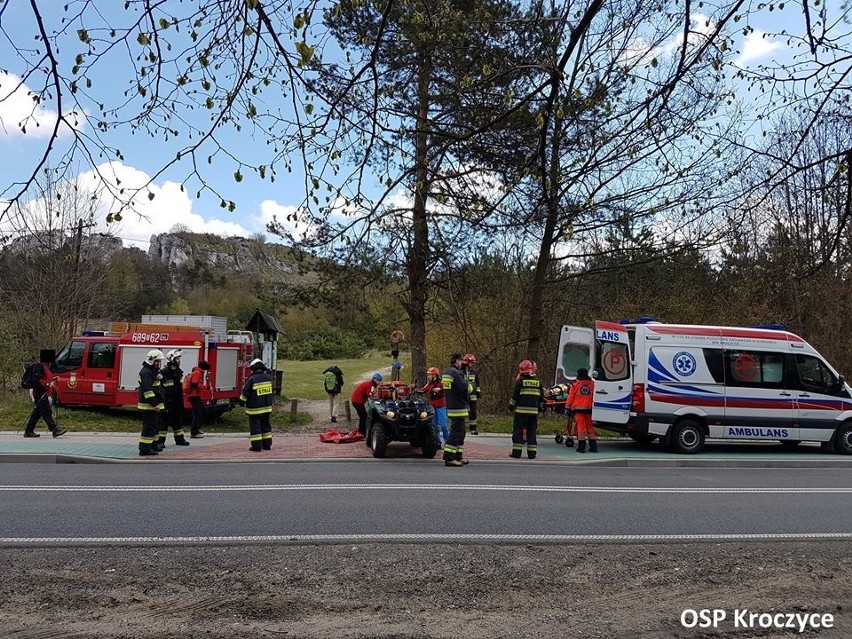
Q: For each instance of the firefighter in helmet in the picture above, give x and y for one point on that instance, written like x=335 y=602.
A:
x=472 y=377
x=257 y=398
x=526 y=402
x=150 y=402
x=173 y=398
x=579 y=403
x=456 y=394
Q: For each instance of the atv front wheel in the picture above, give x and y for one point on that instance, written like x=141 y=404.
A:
x=379 y=440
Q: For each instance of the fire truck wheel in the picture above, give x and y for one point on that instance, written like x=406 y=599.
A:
x=379 y=441
x=688 y=437
x=843 y=439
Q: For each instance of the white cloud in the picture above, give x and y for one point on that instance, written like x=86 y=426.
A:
x=756 y=45
x=20 y=112
x=145 y=217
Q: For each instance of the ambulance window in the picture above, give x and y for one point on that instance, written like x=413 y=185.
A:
x=815 y=376
x=613 y=361
x=754 y=369
x=101 y=356
x=70 y=357
x=713 y=359
x=574 y=356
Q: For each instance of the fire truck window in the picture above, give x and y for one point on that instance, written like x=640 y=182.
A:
x=101 y=356
x=70 y=357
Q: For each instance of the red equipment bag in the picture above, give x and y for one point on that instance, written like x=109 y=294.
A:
x=334 y=436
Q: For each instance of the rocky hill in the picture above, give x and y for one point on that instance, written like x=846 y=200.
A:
x=234 y=254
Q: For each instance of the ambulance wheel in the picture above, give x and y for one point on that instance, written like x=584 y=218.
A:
x=790 y=442
x=843 y=439
x=688 y=437
x=559 y=438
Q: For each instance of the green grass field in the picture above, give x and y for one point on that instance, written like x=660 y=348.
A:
x=303 y=380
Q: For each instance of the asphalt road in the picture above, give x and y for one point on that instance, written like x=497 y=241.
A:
x=405 y=501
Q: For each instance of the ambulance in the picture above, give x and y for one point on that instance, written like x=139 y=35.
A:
x=101 y=368
x=681 y=384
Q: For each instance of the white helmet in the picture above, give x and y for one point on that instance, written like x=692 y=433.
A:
x=153 y=356
x=257 y=365
x=174 y=354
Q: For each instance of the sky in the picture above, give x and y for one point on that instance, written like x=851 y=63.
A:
x=257 y=200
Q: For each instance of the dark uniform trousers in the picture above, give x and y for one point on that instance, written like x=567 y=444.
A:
x=454 y=446
x=41 y=410
x=260 y=431
x=530 y=423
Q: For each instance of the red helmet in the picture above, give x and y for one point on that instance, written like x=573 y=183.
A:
x=526 y=367
x=469 y=358
x=433 y=371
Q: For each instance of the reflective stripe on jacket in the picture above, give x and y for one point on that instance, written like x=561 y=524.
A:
x=580 y=397
x=527 y=395
x=455 y=392
x=257 y=394
x=149 y=397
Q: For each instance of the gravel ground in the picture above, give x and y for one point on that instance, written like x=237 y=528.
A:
x=419 y=591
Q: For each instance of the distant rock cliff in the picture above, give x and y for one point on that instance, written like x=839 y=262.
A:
x=235 y=254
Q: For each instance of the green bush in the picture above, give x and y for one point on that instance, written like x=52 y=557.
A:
x=327 y=342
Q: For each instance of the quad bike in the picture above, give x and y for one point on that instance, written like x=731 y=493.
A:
x=398 y=413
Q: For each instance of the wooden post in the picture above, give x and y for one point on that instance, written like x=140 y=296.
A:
x=294 y=405
x=348 y=410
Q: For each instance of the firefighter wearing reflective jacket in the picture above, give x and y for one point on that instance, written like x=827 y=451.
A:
x=172 y=385
x=257 y=397
x=150 y=402
x=456 y=395
x=579 y=404
x=474 y=391
x=526 y=402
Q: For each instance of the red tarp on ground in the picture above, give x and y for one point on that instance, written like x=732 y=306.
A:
x=334 y=436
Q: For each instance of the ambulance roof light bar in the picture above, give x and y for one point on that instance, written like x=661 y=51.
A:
x=642 y=319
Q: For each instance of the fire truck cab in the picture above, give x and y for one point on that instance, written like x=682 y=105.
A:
x=682 y=383
x=99 y=368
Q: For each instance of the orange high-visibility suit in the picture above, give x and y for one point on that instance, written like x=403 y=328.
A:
x=580 y=399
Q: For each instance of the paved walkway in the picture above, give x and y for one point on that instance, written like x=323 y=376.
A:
x=118 y=447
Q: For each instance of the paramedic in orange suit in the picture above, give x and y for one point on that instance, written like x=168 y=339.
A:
x=579 y=403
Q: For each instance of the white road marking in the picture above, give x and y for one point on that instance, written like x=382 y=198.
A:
x=441 y=487
x=428 y=537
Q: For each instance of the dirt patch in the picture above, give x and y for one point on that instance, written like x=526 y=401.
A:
x=418 y=591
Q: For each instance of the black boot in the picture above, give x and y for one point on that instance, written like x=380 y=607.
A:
x=516 y=454
x=59 y=432
x=31 y=433
x=146 y=450
x=180 y=440
x=581 y=446
x=593 y=445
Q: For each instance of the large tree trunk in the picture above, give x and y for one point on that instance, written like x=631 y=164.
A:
x=417 y=260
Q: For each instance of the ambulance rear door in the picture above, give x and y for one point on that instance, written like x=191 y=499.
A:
x=613 y=374
x=576 y=350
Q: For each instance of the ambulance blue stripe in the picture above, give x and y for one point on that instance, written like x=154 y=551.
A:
x=657 y=372
x=622 y=403
x=684 y=390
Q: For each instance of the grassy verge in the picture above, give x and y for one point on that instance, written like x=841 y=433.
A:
x=15 y=408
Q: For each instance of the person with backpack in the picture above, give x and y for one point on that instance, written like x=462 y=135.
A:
x=193 y=386
x=38 y=379
x=333 y=382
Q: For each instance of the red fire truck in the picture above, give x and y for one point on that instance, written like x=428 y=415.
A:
x=100 y=368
